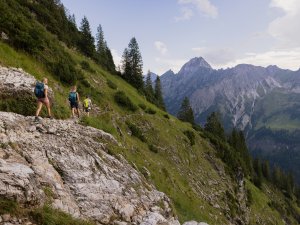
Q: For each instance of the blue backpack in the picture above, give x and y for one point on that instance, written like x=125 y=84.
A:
x=39 y=90
x=73 y=97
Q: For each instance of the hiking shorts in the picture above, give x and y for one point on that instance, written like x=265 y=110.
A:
x=43 y=100
x=74 y=105
x=87 y=109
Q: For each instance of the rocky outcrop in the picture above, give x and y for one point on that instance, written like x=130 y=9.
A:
x=71 y=162
x=16 y=82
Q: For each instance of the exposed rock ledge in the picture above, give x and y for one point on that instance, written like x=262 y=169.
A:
x=71 y=160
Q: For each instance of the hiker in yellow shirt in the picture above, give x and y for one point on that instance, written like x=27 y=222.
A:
x=87 y=105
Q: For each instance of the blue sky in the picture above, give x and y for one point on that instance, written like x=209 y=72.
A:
x=224 y=32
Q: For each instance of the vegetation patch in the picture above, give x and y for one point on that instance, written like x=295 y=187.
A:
x=111 y=84
x=135 y=131
x=123 y=101
x=150 y=111
x=8 y=206
x=153 y=148
x=86 y=66
x=50 y=216
x=142 y=106
x=167 y=116
x=190 y=135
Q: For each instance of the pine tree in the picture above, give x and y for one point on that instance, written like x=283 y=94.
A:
x=186 y=113
x=149 y=92
x=257 y=166
x=266 y=170
x=110 y=64
x=86 y=42
x=214 y=125
x=160 y=101
x=101 y=44
x=133 y=67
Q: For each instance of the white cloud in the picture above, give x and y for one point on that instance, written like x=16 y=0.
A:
x=285 y=28
x=286 y=59
x=216 y=56
x=186 y=14
x=205 y=7
x=117 y=57
x=161 y=47
x=167 y=64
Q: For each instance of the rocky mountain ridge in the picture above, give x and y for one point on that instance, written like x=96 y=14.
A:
x=264 y=102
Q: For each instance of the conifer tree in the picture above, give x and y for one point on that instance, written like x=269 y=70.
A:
x=160 y=101
x=110 y=61
x=214 y=125
x=133 y=67
x=86 y=42
x=149 y=92
x=266 y=170
x=186 y=113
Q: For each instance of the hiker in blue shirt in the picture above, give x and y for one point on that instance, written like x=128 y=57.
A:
x=74 y=101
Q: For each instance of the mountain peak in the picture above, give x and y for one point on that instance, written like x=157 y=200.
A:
x=194 y=64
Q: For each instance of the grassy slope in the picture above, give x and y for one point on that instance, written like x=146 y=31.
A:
x=178 y=169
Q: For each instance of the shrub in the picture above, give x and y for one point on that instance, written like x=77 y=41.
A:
x=249 y=198
x=153 y=148
x=150 y=111
x=142 y=106
x=7 y=206
x=167 y=116
x=86 y=66
x=190 y=135
x=135 y=131
x=125 y=102
x=111 y=84
x=21 y=104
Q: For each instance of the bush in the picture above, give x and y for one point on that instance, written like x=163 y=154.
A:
x=142 y=106
x=21 y=104
x=7 y=206
x=150 y=111
x=167 y=116
x=135 y=131
x=86 y=66
x=249 y=198
x=111 y=84
x=153 y=148
x=190 y=135
x=125 y=102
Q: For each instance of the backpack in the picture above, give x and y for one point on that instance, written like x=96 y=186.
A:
x=73 y=97
x=86 y=103
x=39 y=90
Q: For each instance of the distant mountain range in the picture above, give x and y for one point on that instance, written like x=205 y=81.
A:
x=264 y=102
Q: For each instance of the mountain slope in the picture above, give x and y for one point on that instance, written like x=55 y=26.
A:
x=154 y=144
x=264 y=102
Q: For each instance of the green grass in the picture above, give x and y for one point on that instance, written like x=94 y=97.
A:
x=260 y=209
x=49 y=216
x=177 y=162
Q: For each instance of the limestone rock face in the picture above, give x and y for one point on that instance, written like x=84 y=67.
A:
x=15 y=82
x=69 y=164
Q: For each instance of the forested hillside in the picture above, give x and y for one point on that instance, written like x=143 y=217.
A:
x=208 y=176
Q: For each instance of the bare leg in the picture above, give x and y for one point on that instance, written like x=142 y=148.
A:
x=73 y=112
x=39 y=107
x=48 y=109
x=78 y=112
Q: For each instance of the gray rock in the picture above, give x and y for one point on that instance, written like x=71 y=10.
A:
x=85 y=180
x=6 y=217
